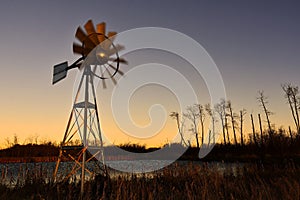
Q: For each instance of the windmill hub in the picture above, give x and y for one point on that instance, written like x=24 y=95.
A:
x=102 y=57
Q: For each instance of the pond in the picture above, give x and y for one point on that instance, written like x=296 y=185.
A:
x=17 y=173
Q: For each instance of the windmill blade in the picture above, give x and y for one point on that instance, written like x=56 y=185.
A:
x=90 y=29
x=121 y=60
x=101 y=30
x=78 y=49
x=82 y=37
x=103 y=80
x=111 y=76
x=111 y=36
x=105 y=44
x=114 y=50
x=118 y=70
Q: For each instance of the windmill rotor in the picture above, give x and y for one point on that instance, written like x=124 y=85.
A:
x=94 y=46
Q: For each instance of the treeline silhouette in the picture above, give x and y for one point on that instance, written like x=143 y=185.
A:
x=30 y=150
x=277 y=148
x=194 y=119
x=234 y=142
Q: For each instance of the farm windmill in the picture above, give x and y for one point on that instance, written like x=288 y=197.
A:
x=99 y=59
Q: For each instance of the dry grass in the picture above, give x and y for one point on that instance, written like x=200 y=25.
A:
x=188 y=181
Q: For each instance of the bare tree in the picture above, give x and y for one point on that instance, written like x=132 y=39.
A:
x=193 y=115
x=292 y=95
x=242 y=114
x=261 y=131
x=233 y=121
x=36 y=136
x=8 y=143
x=211 y=113
x=253 y=130
x=291 y=134
x=223 y=105
x=180 y=125
x=201 y=114
x=16 y=139
x=220 y=110
x=262 y=99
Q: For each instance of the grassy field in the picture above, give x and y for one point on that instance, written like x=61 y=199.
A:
x=189 y=181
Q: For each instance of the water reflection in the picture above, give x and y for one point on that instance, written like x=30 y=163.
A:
x=19 y=173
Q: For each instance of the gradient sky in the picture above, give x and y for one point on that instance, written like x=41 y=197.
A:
x=255 y=45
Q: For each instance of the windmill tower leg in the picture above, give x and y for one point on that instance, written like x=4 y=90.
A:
x=86 y=101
